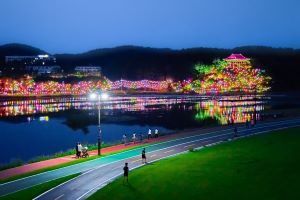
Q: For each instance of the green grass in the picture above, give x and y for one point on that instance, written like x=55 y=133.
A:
x=34 y=191
x=16 y=163
x=63 y=165
x=260 y=167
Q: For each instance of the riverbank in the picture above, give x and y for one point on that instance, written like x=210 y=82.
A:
x=29 y=169
x=260 y=167
x=62 y=161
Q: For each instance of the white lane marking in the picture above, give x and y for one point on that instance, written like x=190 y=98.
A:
x=114 y=177
x=136 y=160
x=54 y=187
x=115 y=168
x=59 y=197
x=152 y=155
x=169 y=151
x=188 y=146
x=263 y=125
x=190 y=142
x=179 y=145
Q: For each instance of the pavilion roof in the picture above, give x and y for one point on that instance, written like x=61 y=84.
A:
x=236 y=57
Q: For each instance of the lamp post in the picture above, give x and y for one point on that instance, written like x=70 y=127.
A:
x=99 y=96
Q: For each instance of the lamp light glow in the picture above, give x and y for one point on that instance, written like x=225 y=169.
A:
x=104 y=96
x=93 y=96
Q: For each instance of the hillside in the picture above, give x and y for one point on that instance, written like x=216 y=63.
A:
x=18 y=50
x=132 y=62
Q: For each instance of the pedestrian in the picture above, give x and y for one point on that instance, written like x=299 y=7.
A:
x=76 y=149
x=126 y=170
x=133 y=138
x=149 y=133
x=144 y=156
x=124 y=139
x=235 y=131
x=79 y=149
x=156 y=133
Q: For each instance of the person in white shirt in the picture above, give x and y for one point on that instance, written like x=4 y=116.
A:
x=156 y=133
x=124 y=139
x=149 y=133
x=79 y=149
x=133 y=138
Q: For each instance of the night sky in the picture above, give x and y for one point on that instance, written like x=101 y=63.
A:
x=71 y=26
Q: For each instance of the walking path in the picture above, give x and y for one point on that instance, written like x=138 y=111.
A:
x=108 y=150
x=98 y=172
x=57 y=161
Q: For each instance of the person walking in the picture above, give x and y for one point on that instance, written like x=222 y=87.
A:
x=126 y=172
x=133 y=138
x=149 y=134
x=156 y=133
x=79 y=149
x=76 y=149
x=144 y=161
x=124 y=139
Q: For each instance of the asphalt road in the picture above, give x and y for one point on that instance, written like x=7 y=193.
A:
x=97 y=173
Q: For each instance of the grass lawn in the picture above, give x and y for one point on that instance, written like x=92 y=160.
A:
x=260 y=167
x=32 y=192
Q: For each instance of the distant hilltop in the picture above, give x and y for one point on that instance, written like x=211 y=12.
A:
x=136 y=63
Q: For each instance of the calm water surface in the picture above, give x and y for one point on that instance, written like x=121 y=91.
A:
x=30 y=128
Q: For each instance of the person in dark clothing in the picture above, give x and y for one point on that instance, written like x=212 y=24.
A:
x=77 y=151
x=144 y=156
x=126 y=171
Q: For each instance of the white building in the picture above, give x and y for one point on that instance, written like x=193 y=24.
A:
x=88 y=69
x=30 y=60
x=40 y=70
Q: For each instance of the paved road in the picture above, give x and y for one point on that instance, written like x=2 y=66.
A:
x=99 y=172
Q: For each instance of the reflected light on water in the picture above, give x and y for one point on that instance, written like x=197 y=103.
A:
x=224 y=108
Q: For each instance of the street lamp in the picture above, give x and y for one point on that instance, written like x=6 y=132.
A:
x=98 y=96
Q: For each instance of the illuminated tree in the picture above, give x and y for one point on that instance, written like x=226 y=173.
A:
x=233 y=74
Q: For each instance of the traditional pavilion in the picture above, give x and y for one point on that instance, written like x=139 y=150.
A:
x=237 y=60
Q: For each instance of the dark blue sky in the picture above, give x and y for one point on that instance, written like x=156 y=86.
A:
x=78 y=25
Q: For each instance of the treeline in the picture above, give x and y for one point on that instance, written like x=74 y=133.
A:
x=136 y=63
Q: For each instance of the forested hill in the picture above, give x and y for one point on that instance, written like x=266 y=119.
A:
x=132 y=62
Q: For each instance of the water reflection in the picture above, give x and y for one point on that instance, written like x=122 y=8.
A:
x=223 y=108
x=230 y=111
x=61 y=122
x=29 y=107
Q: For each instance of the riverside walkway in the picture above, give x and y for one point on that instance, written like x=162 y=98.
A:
x=4 y=174
x=98 y=172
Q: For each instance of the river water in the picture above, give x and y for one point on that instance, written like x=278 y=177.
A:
x=30 y=128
